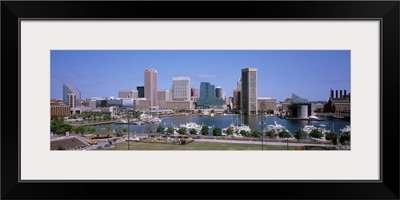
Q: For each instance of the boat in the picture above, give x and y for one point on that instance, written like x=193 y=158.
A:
x=212 y=114
x=156 y=120
x=191 y=125
x=346 y=129
x=309 y=128
x=276 y=128
x=237 y=127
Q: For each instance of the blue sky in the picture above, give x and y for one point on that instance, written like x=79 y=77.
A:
x=102 y=73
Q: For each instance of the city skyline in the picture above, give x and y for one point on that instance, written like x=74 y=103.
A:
x=103 y=73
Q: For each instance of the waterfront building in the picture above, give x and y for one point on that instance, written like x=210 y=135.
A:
x=236 y=99
x=218 y=92
x=194 y=94
x=208 y=98
x=179 y=105
x=126 y=94
x=109 y=102
x=140 y=90
x=249 y=91
x=266 y=103
x=71 y=95
x=163 y=97
x=181 y=89
x=150 y=87
x=286 y=103
x=338 y=104
x=141 y=104
x=56 y=109
x=72 y=100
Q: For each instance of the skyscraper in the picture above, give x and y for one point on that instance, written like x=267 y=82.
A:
x=181 y=89
x=249 y=91
x=218 y=92
x=69 y=89
x=150 y=87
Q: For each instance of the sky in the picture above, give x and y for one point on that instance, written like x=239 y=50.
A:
x=102 y=73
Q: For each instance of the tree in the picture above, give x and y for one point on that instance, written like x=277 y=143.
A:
x=217 y=131
x=332 y=136
x=243 y=133
x=345 y=137
x=108 y=128
x=91 y=129
x=270 y=134
x=299 y=134
x=125 y=129
x=204 y=130
x=229 y=131
x=193 y=131
x=160 y=129
x=255 y=134
x=182 y=130
x=170 y=130
x=81 y=130
x=315 y=133
x=284 y=134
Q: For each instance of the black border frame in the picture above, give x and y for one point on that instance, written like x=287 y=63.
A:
x=386 y=11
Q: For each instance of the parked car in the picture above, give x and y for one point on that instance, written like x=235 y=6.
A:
x=92 y=142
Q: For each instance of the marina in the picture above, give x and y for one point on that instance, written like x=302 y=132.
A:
x=237 y=123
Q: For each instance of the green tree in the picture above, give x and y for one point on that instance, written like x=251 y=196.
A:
x=160 y=129
x=205 y=130
x=193 y=131
x=81 y=130
x=229 y=131
x=332 y=136
x=108 y=128
x=217 y=131
x=270 y=134
x=125 y=129
x=244 y=133
x=170 y=130
x=299 y=134
x=315 y=133
x=255 y=134
x=284 y=134
x=182 y=130
x=91 y=129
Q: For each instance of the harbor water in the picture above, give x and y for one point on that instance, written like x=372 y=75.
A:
x=254 y=122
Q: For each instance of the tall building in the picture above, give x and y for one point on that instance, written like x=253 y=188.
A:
x=71 y=89
x=236 y=99
x=208 y=98
x=239 y=84
x=181 y=89
x=218 y=92
x=140 y=90
x=128 y=94
x=249 y=91
x=150 y=87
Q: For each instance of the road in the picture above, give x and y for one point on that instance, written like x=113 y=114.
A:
x=280 y=143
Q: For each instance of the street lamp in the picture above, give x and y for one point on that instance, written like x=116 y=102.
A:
x=128 y=129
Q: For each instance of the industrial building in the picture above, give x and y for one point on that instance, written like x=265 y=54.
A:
x=340 y=103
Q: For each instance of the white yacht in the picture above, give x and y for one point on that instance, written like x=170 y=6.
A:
x=276 y=128
x=309 y=128
x=156 y=120
x=346 y=129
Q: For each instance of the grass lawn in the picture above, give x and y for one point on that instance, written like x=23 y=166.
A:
x=194 y=146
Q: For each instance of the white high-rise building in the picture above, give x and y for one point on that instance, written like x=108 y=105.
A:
x=71 y=89
x=181 y=89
